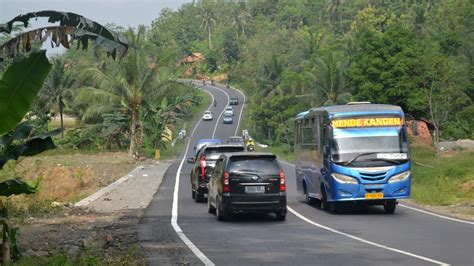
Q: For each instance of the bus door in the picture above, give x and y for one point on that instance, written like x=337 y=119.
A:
x=308 y=153
x=325 y=168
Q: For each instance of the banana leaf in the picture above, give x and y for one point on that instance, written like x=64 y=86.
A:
x=19 y=86
x=20 y=143
x=15 y=187
x=72 y=27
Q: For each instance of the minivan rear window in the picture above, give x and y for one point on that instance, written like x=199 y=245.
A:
x=212 y=153
x=263 y=165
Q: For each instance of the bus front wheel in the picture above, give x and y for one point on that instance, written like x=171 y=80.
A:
x=309 y=200
x=390 y=206
x=324 y=200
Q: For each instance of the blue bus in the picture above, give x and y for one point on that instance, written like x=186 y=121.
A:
x=355 y=153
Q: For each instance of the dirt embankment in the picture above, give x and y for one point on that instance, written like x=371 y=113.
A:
x=69 y=178
x=52 y=230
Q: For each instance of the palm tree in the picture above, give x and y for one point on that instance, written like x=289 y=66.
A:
x=124 y=85
x=328 y=80
x=240 y=19
x=271 y=76
x=208 y=20
x=58 y=87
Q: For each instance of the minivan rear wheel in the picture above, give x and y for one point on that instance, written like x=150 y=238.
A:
x=210 y=208
x=221 y=214
x=198 y=197
x=280 y=216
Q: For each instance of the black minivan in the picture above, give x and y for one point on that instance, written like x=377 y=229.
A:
x=248 y=182
x=204 y=167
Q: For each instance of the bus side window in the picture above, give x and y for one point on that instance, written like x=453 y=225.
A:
x=325 y=141
x=314 y=132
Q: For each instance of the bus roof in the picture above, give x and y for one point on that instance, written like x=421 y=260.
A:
x=336 y=111
x=302 y=114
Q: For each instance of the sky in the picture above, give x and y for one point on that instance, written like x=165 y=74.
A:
x=121 y=12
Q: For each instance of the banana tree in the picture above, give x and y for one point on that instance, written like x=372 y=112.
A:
x=21 y=83
x=22 y=141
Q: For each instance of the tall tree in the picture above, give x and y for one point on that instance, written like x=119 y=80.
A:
x=208 y=20
x=327 y=76
x=241 y=18
x=271 y=76
x=123 y=85
x=58 y=87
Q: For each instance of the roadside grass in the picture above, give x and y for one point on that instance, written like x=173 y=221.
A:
x=283 y=152
x=68 y=122
x=62 y=178
x=449 y=180
x=172 y=152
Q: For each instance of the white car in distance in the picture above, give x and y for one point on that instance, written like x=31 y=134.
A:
x=207 y=116
x=229 y=111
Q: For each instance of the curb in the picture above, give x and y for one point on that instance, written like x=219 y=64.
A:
x=105 y=190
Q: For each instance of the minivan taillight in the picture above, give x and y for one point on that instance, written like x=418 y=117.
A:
x=203 y=166
x=226 y=183
x=282 y=181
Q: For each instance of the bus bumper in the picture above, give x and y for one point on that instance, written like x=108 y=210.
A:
x=369 y=192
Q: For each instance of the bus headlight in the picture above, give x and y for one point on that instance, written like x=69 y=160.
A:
x=399 y=177
x=344 y=179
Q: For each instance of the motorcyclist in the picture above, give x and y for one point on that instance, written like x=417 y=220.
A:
x=215 y=103
x=204 y=82
x=227 y=86
x=250 y=145
x=212 y=82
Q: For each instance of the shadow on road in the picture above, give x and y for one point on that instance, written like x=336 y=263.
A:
x=350 y=209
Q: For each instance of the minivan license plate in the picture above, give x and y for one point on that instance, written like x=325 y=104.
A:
x=254 y=189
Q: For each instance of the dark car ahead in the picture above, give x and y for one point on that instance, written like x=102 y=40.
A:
x=247 y=182
x=204 y=167
x=234 y=101
x=236 y=140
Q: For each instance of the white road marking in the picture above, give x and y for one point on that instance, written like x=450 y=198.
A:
x=174 y=211
x=413 y=208
x=223 y=110
x=364 y=240
x=241 y=111
x=435 y=214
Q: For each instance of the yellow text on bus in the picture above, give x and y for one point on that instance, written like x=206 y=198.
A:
x=367 y=122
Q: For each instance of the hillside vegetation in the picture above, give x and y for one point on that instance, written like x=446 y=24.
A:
x=289 y=56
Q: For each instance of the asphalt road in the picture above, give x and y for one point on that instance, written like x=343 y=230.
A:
x=309 y=236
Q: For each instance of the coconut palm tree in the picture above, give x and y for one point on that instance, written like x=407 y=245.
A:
x=208 y=20
x=271 y=77
x=58 y=87
x=241 y=18
x=328 y=80
x=124 y=85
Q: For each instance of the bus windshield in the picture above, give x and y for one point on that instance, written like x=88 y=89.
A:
x=371 y=147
